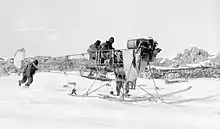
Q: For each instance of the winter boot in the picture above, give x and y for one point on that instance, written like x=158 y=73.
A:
x=27 y=85
x=19 y=83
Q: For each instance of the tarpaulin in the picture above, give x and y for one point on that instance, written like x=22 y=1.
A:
x=130 y=71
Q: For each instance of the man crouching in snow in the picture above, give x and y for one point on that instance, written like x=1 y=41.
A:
x=29 y=72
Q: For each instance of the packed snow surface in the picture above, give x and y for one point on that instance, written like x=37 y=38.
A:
x=47 y=105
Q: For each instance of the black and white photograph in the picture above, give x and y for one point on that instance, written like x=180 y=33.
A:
x=110 y=64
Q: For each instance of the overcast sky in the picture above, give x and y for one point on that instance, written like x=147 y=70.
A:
x=59 y=27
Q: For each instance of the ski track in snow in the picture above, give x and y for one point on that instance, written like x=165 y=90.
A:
x=47 y=105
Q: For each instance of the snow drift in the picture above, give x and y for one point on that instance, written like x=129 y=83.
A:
x=47 y=105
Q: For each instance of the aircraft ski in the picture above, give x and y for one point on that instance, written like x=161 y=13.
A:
x=142 y=98
x=188 y=100
x=95 y=78
x=86 y=96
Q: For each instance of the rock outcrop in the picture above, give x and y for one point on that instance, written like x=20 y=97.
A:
x=193 y=55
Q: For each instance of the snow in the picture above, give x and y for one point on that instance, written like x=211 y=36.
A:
x=47 y=105
x=213 y=56
x=204 y=63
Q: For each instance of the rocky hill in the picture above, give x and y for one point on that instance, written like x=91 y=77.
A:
x=190 y=57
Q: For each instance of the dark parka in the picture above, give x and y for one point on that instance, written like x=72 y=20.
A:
x=93 y=49
x=106 y=48
x=31 y=69
x=29 y=72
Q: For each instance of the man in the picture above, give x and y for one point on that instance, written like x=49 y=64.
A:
x=120 y=79
x=94 y=53
x=108 y=44
x=93 y=49
x=146 y=53
x=28 y=73
x=106 y=48
x=147 y=49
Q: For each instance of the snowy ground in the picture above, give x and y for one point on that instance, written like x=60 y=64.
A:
x=47 y=105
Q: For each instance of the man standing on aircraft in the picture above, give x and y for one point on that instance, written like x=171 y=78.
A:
x=92 y=50
x=106 y=48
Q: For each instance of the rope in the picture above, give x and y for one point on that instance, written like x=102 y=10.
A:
x=154 y=81
x=145 y=91
x=143 y=88
x=87 y=92
x=106 y=84
x=92 y=84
